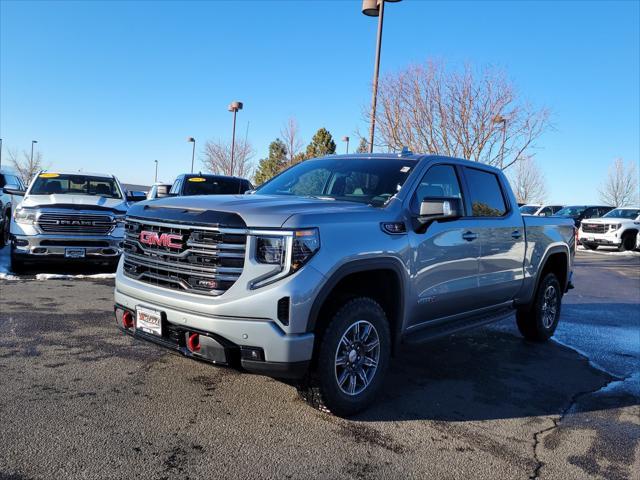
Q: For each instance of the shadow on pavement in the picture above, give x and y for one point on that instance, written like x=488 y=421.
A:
x=485 y=375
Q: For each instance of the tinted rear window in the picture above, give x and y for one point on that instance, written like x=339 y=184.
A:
x=211 y=186
x=486 y=194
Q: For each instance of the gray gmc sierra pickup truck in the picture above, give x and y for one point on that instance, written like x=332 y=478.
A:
x=327 y=269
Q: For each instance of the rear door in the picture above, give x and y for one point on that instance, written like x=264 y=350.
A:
x=445 y=267
x=501 y=234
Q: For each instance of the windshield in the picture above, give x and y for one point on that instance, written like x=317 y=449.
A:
x=528 y=209
x=211 y=186
x=629 y=213
x=370 y=181
x=60 y=184
x=571 y=211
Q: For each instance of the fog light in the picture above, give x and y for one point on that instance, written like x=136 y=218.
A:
x=252 y=353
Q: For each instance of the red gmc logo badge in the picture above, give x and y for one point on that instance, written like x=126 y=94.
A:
x=168 y=240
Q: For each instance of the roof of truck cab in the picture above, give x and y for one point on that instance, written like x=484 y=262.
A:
x=82 y=174
x=414 y=157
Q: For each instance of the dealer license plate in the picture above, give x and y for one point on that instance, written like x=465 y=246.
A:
x=149 y=321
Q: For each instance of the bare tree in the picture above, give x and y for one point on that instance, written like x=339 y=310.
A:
x=620 y=189
x=471 y=114
x=527 y=181
x=291 y=137
x=217 y=158
x=26 y=166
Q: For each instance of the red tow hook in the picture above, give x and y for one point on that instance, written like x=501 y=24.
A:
x=193 y=343
x=127 y=319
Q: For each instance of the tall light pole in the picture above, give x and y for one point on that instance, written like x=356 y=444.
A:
x=346 y=139
x=32 y=143
x=156 y=177
x=193 y=151
x=375 y=8
x=0 y=153
x=500 y=119
x=234 y=107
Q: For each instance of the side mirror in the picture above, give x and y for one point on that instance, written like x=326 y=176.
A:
x=136 y=196
x=438 y=208
x=13 y=189
x=249 y=192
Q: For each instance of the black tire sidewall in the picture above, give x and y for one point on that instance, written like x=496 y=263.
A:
x=628 y=242
x=543 y=332
x=335 y=400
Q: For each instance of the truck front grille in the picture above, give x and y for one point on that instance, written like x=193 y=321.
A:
x=76 y=224
x=594 y=227
x=197 y=259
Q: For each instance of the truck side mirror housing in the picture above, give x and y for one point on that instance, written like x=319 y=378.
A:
x=13 y=189
x=437 y=208
x=136 y=196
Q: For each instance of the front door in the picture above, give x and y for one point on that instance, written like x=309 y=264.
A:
x=445 y=267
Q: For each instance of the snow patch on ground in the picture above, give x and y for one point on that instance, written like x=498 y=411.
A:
x=600 y=251
x=60 y=276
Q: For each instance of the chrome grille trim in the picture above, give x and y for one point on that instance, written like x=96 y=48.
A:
x=85 y=223
x=209 y=262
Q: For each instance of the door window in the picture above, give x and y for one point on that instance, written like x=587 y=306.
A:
x=439 y=181
x=545 y=212
x=487 y=199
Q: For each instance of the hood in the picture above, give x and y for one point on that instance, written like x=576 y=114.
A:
x=268 y=211
x=600 y=221
x=81 y=202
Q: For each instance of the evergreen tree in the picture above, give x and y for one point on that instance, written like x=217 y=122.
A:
x=321 y=144
x=274 y=163
x=363 y=146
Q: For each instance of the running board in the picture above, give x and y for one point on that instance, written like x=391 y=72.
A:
x=442 y=329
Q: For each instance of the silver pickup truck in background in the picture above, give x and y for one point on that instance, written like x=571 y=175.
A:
x=329 y=268
x=68 y=216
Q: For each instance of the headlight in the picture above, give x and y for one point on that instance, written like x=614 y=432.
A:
x=25 y=216
x=615 y=226
x=286 y=251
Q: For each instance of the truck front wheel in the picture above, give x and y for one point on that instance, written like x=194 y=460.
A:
x=352 y=359
x=628 y=242
x=538 y=321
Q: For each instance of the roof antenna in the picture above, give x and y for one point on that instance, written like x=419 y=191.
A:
x=405 y=152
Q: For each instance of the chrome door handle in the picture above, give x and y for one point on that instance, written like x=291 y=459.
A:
x=516 y=234
x=469 y=236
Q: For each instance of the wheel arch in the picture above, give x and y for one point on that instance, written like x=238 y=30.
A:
x=362 y=278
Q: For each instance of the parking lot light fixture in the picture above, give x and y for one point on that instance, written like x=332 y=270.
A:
x=375 y=8
x=234 y=107
x=346 y=139
x=500 y=119
x=33 y=142
x=156 y=177
x=193 y=150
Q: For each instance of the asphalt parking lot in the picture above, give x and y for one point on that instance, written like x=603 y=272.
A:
x=80 y=400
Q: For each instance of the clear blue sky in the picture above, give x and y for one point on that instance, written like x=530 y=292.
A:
x=111 y=86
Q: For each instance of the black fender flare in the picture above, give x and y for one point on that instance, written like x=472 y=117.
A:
x=358 y=266
x=564 y=249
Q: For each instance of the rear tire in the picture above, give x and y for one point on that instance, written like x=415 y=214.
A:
x=352 y=361
x=628 y=242
x=538 y=322
x=590 y=246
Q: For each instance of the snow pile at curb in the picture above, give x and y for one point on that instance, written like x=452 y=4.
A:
x=60 y=276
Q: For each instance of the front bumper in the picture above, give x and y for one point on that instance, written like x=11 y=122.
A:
x=41 y=247
x=609 y=238
x=283 y=355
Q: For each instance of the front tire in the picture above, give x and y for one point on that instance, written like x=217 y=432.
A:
x=353 y=358
x=17 y=264
x=538 y=322
x=4 y=231
x=628 y=242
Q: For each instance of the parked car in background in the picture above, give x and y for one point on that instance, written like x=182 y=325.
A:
x=580 y=212
x=8 y=181
x=158 y=190
x=71 y=216
x=540 y=210
x=617 y=228
x=336 y=263
x=205 y=184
